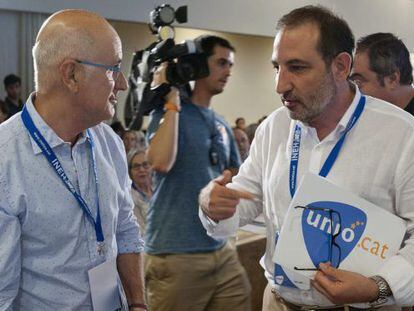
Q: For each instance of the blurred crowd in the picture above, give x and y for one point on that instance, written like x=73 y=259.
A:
x=12 y=103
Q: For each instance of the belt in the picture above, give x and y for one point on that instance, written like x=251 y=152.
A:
x=295 y=307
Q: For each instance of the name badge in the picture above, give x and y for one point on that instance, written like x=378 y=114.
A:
x=104 y=285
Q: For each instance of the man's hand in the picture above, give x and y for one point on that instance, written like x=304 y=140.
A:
x=160 y=77
x=218 y=201
x=344 y=287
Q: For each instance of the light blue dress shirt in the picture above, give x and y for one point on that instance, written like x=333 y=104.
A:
x=47 y=243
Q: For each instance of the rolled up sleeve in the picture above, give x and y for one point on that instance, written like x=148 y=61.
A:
x=128 y=235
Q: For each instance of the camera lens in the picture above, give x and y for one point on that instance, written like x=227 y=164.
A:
x=165 y=32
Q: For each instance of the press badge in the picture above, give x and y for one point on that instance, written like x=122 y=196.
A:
x=103 y=282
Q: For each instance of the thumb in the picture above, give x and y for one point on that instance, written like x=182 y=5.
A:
x=330 y=271
x=224 y=178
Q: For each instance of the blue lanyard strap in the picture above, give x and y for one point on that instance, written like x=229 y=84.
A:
x=294 y=159
x=333 y=155
x=57 y=167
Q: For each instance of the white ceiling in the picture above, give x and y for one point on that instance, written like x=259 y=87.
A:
x=256 y=17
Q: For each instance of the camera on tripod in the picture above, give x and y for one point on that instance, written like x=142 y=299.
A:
x=186 y=62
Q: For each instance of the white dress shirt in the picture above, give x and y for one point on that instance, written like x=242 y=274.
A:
x=376 y=162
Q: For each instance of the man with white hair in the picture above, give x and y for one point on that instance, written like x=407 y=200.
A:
x=65 y=205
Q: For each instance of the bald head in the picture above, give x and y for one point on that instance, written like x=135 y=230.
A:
x=76 y=34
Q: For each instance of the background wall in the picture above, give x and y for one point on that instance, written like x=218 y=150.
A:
x=249 y=92
x=9 y=49
x=249 y=25
x=256 y=17
x=19 y=30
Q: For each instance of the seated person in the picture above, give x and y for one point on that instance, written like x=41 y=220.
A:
x=12 y=85
x=240 y=124
x=133 y=140
x=3 y=112
x=141 y=174
x=243 y=143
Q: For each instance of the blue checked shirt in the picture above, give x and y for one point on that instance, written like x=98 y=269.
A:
x=47 y=244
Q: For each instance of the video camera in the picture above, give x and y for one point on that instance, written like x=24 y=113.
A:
x=186 y=62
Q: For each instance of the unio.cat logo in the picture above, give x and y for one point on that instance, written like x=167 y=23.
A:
x=331 y=236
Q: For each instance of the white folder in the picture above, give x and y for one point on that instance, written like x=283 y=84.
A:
x=325 y=222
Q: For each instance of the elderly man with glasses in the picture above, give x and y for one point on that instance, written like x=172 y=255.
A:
x=66 y=213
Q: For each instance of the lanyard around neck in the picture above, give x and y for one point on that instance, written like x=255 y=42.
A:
x=57 y=167
x=333 y=155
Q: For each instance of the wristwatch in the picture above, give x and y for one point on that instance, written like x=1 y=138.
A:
x=384 y=291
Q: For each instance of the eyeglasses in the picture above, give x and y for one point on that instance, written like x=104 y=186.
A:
x=111 y=71
x=333 y=249
x=137 y=166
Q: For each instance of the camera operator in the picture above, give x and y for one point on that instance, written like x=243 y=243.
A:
x=190 y=145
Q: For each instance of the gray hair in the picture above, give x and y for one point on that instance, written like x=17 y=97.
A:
x=132 y=153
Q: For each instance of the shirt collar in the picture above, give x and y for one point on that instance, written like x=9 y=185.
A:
x=349 y=112
x=47 y=132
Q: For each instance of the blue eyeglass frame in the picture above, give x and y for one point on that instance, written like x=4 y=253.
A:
x=115 y=69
